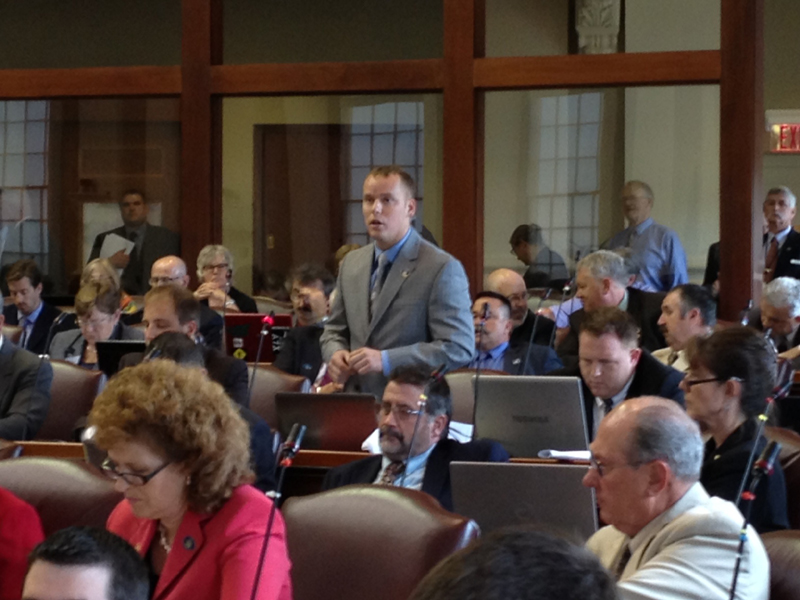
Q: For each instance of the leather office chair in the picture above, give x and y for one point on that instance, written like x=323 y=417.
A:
x=268 y=382
x=783 y=549
x=790 y=462
x=64 y=492
x=13 y=333
x=267 y=305
x=366 y=541
x=462 y=392
x=72 y=395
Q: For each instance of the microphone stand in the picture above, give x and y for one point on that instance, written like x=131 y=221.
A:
x=484 y=316
x=285 y=457
x=267 y=322
x=533 y=329
x=564 y=297
x=744 y=316
x=225 y=289
x=763 y=467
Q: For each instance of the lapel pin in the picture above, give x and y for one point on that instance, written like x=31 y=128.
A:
x=188 y=542
x=406 y=274
x=516 y=361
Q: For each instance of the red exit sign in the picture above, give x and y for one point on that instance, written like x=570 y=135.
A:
x=785 y=138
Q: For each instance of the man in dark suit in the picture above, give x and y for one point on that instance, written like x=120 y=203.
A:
x=300 y=352
x=546 y=268
x=511 y=285
x=24 y=391
x=151 y=243
x=171 y=270
x=614 y=368
x=602 y=280
x=174 y=308
x=781 y=242
x=491 y=315
x=425 y=465
x=36 y=317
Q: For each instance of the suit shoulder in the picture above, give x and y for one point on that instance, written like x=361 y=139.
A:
x=353 y=472
x=717 y=517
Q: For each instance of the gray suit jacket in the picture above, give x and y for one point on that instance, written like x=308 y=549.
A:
x=24 y=392
x=158 y=242
x=423 y=315
x=686 y=553
x=68 y=345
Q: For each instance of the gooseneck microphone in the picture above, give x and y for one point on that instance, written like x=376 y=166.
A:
x=481 y=326
x=564 y=297
x=744 y=316
x=56 y=322
x=533 y=329
x=286 y=454
x=266 y=327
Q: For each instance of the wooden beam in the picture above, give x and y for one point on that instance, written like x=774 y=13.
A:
x=200 y=220
x=333 y=78
x=584 y=70
x=462 y=194
x=741 y=151
x=90 y=82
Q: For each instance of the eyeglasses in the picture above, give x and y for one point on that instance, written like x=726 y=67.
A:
x=110 y=469
x=219 y=267
x=400 y=411
x=157 y=281
x=602 y=469
x=692 y=382
x=94 y=323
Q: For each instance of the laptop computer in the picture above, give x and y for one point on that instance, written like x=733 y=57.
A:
x=548 y=496
x=110 y=352
x=243 y=332
x=334 y=421
x=528 y=414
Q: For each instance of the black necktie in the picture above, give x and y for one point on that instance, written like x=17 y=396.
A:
x=623 y=562
x=609 y=404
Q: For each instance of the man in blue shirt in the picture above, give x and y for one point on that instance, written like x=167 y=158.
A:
x=418 y=461
x=491 y=315
x=656 y=248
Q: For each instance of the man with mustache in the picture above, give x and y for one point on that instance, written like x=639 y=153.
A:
x=423 y=465
x=300 y=352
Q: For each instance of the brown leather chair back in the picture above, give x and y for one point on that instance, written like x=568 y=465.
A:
x=790 y=462
x=268 y=382
x=361 y=542
x=72 y=395
x=13 y=333
x=64 y=492
x=783 y=549
x=463 y=393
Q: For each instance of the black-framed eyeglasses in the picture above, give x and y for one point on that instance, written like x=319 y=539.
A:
x=691 y=382
x=399 y=411
x=110 y=470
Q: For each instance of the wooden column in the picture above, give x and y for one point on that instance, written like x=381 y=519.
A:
x=741 y=151
x=462 y=163
x=201 y=221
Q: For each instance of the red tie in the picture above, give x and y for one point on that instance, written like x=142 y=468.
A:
x=771 y=261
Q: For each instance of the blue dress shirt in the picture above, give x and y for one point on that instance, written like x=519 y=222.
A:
x=30 y=321
x=414 y=473
x=493 y=359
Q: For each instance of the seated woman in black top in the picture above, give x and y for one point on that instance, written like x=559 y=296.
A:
x=215 y=272
x=731 y=373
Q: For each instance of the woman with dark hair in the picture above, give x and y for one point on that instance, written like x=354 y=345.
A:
x=179 y=452
x=730 y=375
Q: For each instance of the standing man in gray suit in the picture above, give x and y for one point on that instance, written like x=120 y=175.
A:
x=151 y=242
x=400 y=301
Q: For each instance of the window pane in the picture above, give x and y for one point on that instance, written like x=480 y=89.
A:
x=37 y=34
x=546 y=27
x=310 y=169
x=567 y=177
x=323 y=31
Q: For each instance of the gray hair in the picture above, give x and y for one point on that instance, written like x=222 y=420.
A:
x=663 y=431
x=605 y=263
x=209 y=253
x=782 y=189
x=783 y=291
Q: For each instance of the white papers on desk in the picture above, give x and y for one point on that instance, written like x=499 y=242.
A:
x=460 y=432
x=566 y=454
x=113 y=243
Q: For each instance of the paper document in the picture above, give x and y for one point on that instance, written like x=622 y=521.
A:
x=113 y=243
x=566 y=454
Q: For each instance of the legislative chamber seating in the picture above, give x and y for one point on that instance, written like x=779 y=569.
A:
x=72 y=394
x=783 y=548
x=269 y=381
x=361 y=542
x=790 y=462
x=64 y=492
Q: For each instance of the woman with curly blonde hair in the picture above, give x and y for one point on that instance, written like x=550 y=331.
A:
x=179 y=452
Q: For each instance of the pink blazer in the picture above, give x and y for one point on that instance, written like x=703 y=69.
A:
x=214 y=556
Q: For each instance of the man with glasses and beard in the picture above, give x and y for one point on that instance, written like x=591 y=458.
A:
x=425 y=464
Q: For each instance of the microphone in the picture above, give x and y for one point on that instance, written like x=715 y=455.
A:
x=768 y=337
x=225 y=290
x=533 y=329
x=266 y=326
x=286 y=454
x=765 y=464
x=421 y=409
x=482 y=324
x=744 y=317
x=56 y=322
